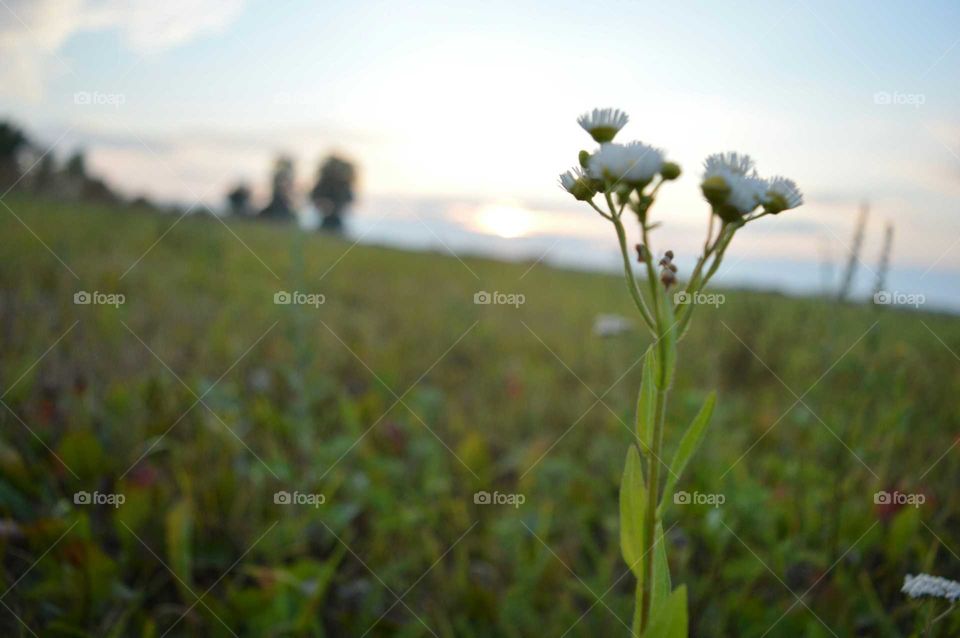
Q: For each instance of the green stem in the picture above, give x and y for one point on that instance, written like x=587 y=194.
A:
x=653 y=495
x=631 y=281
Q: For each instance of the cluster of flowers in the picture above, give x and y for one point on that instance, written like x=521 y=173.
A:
x=923 y=585
x=730 y=180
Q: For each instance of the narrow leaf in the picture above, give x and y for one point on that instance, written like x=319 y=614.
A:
x=689 y=444
x=646 y=401
x=669 y=620
x=667 y=342
x=661 y=569
x=632 y=506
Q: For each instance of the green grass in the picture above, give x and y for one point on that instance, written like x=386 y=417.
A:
x=398 y=399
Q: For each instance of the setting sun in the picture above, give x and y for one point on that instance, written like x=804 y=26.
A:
x=504 y=220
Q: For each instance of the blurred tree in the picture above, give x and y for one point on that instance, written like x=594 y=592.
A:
x=334 y=191
x=238 y=199
x=45 y=175
x=281 y=203
x=12 y=142
x=76 y=166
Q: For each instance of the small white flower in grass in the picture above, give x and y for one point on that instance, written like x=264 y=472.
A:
x=782 y=194
x=635 y=163
x=577 y=184
x=923 y=585
x=603 y=124
x=731 y=185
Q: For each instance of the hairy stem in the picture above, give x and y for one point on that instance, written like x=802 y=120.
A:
x=653 y=496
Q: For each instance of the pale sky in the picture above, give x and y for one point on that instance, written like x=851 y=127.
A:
x=474 y=104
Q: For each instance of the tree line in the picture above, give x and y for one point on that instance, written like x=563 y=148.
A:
x=25 y=167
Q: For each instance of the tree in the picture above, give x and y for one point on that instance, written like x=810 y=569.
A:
x=12 y=142
x=281 y=203
x=334 y=191
x=238 y=199
x=76 y=166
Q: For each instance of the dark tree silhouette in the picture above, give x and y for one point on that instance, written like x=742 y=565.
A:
x=334 y=191
x=12 y=142
x=238 y=200
x=281 y=203
x=76 y=166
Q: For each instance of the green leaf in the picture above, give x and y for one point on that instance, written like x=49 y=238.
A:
x=689 y=444
x=666 y=342
x=646 y=401
x=179 y=534
x=632 y=507
x=661 y=569
x=669 y=620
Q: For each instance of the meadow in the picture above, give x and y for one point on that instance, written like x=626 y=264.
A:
x=313 y=469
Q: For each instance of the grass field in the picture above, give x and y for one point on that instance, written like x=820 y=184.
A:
x=198 y=399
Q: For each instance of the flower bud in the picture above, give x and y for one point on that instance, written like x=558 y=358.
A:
x=670 y=171
x=584 y=158
x=715 y=190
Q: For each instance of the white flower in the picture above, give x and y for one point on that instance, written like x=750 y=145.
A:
x=603 y=124
x=568 y=179
x=635 y=163
x=729 y=179
x=927 y=585
x=782 y=194
x=576 y=183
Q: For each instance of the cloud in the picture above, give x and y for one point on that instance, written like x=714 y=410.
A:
x=33 y=31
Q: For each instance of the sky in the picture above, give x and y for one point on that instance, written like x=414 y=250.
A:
x=461 y=115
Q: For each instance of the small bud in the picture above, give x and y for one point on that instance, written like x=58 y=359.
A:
x=670 y=171
x=715 y=190
x=672 y=267
x=668 y=254
x=584 y=158
x=668 y=278
x=641 y=253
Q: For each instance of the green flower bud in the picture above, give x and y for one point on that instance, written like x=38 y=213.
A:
x=670 y=171
x=584 y=158
x=715 y=190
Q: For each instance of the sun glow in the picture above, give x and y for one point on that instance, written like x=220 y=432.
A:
x=505 y=220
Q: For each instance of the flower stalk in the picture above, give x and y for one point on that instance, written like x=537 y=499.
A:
x=629 y=177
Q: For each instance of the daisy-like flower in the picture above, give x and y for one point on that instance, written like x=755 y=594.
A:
x=731 y=185
x=782 y=194
x=933 y=586
x=635 y=163
x=603 y=124
x=576 y=182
